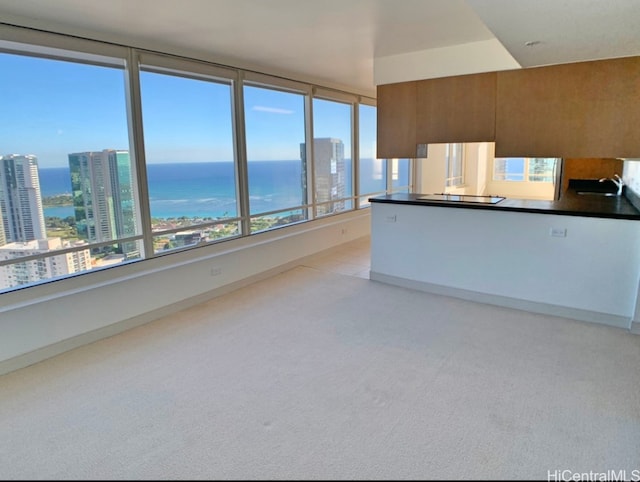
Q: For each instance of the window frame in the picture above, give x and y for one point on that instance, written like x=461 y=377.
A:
x=526 y=175
x=55 y=46
x=329 y=95
x=194 y=70
x=263 y=81
x=363 y=197
x=24 y=42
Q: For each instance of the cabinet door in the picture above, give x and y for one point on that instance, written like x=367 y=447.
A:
x=396 y=116
x=584 y=109
x=457 y=109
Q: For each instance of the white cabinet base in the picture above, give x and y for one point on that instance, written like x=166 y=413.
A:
x=585 y=268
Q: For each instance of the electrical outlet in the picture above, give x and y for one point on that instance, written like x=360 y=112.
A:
x=558 y=232
x=216 y=271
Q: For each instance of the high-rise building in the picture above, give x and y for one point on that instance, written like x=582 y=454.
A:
x=3 y=239
x=49 y=267
x=329 y=173
x=20 y=199
x=102 y=187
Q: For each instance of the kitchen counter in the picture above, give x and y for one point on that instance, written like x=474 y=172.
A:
x=570 y=204
x=582 y=262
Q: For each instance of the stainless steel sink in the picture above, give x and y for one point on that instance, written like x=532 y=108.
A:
x=590 y=193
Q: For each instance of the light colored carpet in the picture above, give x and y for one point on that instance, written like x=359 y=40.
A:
x=316 y=375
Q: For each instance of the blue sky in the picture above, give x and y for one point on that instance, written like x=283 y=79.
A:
x=51 y=108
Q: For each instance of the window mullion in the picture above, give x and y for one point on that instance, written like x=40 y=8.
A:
x=136 y=143
x=355 y=155
x=241 y=155
x=310 y=159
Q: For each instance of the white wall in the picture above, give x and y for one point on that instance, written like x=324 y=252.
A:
x=631 y=175
x=521 y=190
x=515 y=189
x=477 y=156
x=431 y=171
x=45 y=320
x=469 y=58
x=478 y=175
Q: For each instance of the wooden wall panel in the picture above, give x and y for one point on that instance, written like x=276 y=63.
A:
x=579 y=110
x=396 y=120
x=456 y=109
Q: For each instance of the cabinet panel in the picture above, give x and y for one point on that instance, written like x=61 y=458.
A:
x=584 y=109
x=456 y=109
x=396 y=120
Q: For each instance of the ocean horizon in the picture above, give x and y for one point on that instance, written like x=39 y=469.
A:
x=207 y=189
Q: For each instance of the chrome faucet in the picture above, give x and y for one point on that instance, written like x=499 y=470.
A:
x=617 y=180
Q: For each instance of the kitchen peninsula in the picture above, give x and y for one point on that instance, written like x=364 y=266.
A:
x=576 y=257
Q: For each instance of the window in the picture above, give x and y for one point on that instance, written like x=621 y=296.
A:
x=68 y=185
x=454 y=158
x=542 y=169
x=113 y=155
x=332 y=156
x=276 y=164
x=524 y=169
x=400 y=170
x=190 y=160
x=509 y=169
x=372 y=172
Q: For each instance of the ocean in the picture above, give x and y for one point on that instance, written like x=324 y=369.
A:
x=207 y=189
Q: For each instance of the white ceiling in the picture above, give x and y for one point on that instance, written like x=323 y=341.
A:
x=568 y=30
x=336 y=42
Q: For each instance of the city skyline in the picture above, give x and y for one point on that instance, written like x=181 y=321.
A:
x=20 y=199
x=103 y=192
x=23 y=231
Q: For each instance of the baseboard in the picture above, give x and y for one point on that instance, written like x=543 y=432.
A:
x=505 y=301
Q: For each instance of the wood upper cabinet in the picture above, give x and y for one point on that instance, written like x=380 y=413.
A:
x=580 y=110
x=396 y=120
x=456 y=109
x=451 y=109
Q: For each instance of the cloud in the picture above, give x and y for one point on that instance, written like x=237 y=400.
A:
x=273 y=110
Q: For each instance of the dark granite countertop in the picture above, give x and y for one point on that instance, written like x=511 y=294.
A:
x=570 y=204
